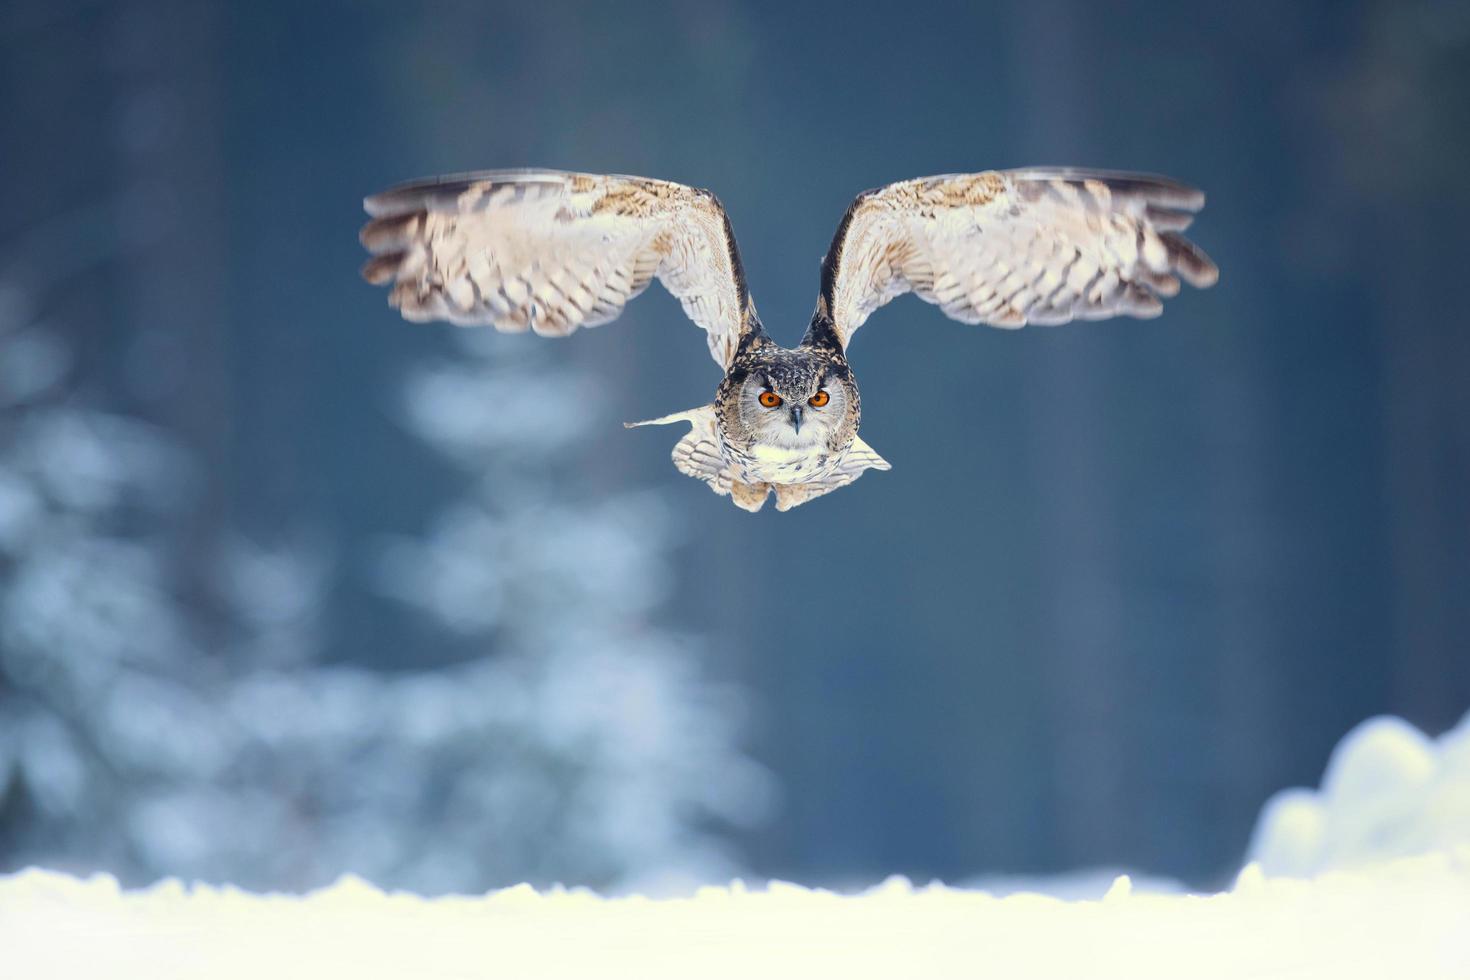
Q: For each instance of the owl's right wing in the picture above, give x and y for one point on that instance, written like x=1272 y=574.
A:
x=551 y=251
x=1012 y=247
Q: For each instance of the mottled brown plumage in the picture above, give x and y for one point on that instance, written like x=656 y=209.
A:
x=548 y=251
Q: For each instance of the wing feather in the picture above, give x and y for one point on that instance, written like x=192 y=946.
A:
x=550 y=252
x=1008 y=248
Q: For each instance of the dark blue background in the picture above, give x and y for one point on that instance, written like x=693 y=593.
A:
x=1124 y=580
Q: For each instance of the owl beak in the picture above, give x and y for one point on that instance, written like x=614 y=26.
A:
x=796 y=419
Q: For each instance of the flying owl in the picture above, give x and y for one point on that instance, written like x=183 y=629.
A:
x=549 y=251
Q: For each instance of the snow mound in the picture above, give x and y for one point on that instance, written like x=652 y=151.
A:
x=1400 y=919
x=1331 y=894
x=1389 y=791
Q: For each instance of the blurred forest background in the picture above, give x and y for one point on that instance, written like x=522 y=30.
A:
x=289 y=587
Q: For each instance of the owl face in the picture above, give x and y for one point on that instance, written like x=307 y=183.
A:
x=794 y=401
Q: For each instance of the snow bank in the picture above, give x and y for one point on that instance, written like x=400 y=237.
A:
x=1389 y=791
x=1403 y=919
x=1359 y=910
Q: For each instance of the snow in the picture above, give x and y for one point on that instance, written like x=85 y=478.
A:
x=1389 y=791
x=1368 y=877
x=1406 y=918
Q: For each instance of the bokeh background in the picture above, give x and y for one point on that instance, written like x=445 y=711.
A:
x=289 y=587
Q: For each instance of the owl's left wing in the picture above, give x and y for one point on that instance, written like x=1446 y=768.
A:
x=1008 y=248
x=550 y=251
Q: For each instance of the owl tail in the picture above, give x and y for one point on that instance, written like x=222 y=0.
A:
x=698 y=455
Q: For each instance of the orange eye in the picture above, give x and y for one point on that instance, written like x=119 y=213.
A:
x=819 y=399
x=770 y=399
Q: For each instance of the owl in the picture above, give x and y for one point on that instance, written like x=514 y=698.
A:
x=549 y=251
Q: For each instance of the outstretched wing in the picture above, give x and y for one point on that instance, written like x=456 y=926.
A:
x=1013 y=247
x=550 y=251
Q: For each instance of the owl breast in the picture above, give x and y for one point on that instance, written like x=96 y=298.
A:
x=765 y=463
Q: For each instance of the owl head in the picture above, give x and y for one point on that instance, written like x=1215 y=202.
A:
x=799 y=400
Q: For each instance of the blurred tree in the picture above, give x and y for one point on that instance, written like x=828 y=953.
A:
x=604 y=749
x=168 y=704
x=587 y=750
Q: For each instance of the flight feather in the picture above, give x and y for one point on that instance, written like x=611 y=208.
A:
x=549 y=251
x=1008 y=248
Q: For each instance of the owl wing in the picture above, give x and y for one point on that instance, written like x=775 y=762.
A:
x=698 y=453
x=1008 y=248
x=550 y=251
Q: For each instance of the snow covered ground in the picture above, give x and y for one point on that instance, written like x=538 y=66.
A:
x=1385 y=847
x=1408 y=919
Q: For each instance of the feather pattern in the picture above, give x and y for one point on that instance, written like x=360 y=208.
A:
x=854 y=463
x=1008 y=248
x=549 y=251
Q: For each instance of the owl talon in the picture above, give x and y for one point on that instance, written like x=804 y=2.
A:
x=749 y=496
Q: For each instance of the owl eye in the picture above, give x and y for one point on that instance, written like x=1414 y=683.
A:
x=770 y=399
x=819 y=399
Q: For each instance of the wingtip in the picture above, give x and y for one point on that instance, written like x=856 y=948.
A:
x=381 y=269
x=693 y=416
x=376 y=205
x=1202 y=273
x=1189 y=261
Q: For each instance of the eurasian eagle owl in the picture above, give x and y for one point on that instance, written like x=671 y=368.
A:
x=550 y=252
